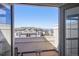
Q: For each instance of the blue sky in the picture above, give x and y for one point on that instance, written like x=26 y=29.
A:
x=35 y=16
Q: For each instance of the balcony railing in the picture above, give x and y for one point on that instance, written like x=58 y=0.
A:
x=53 y=52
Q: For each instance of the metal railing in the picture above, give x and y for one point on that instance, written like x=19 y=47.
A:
x=36 y=53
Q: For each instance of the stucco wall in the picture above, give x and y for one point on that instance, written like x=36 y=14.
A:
x=5 y=39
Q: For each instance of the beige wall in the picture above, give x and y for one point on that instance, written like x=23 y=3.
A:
x=56 y=36
x=5 y=33
x=72 y=11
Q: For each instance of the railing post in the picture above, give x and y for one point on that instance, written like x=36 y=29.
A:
x=21 y=54
x=16 y=51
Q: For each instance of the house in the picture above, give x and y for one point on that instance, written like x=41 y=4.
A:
x=24 y=32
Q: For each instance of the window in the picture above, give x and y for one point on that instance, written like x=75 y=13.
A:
x=5 y=30
x=71 y=39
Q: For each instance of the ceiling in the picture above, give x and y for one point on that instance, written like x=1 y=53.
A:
x=44 y=4
x=39 y=4
x=1 y=6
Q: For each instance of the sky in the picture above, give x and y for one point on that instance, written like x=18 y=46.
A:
x=35 y=16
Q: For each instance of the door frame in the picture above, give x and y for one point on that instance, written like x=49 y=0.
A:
x=12 y=29
x=62 y=26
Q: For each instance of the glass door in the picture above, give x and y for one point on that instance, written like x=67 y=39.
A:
x=71 y=35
